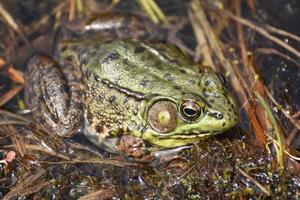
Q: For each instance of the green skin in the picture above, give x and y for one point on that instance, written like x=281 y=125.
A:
x=112 y=86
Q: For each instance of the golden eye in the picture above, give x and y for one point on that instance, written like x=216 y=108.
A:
x=190 y=111
x=162 y=116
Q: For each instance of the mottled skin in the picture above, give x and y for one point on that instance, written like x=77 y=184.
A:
x=129 y=95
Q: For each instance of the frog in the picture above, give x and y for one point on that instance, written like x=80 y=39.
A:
x=135 y=97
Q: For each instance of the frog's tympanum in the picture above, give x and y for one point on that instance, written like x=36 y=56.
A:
x=133 y=97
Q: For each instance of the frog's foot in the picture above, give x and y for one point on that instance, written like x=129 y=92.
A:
x=131 y=146
x=54 y=94
x=166 y=155
x=134 y=148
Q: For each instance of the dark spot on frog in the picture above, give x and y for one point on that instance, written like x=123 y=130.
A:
x=111 y=56
x=207 y=82
x=138 y=50
x=125 y=45
x=158 y=65
x=144 y=82
x=87 y=73
x=183 y=71
x=212 y=101
x=149 y=56
x=97 y=78
x=125 y=61
x=177 y=87
x=192 y=82
x=230 y=110
x=62 y=48
x=125 y=100
x=200 y=84
x=161 y=49
x=224 y=124
x=169 y=77
x=97 y=46
x=68 y=58
x=204 y=94
x=99 y=129
x=41 y=120
x=112 y=99
x=135 y=110
x=84 y=59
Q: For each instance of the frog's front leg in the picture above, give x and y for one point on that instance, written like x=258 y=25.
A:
x=54 y=93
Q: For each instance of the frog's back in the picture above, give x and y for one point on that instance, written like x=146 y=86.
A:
x=143 y=67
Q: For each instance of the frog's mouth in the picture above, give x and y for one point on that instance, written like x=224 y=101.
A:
x=184 y=135
x=191 y=134
x=171 y=140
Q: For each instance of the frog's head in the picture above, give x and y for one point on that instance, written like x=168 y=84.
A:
x=179 y=121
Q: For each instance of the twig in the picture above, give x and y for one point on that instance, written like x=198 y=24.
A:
x=282 y=32
x=15 y=75
x=72 y=10
x=278 y=132
x=12 y=122
x=2 y=62
x=264 y=33
x=42 y=149
x=238 y=82
x=276 y=52
x=101 y=194
x=202 y=48
x=10 y=94
x=153 y=11
x=85 y=148
x=23 y=186
x=297 y=114
x=260 y=186
x=276 y=145
x=251 y=5
x=286 y=113
x=108 y=162
x=10 y=114
x=291 y=136
x=12 y=23
x=240 y=34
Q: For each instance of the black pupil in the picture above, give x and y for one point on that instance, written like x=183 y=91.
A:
x=189 y=111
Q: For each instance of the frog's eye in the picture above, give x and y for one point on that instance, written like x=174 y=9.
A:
x=190 y=111
x=162 y=116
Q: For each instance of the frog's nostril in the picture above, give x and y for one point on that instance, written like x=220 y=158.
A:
x=216 y=115
x=219 y=115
